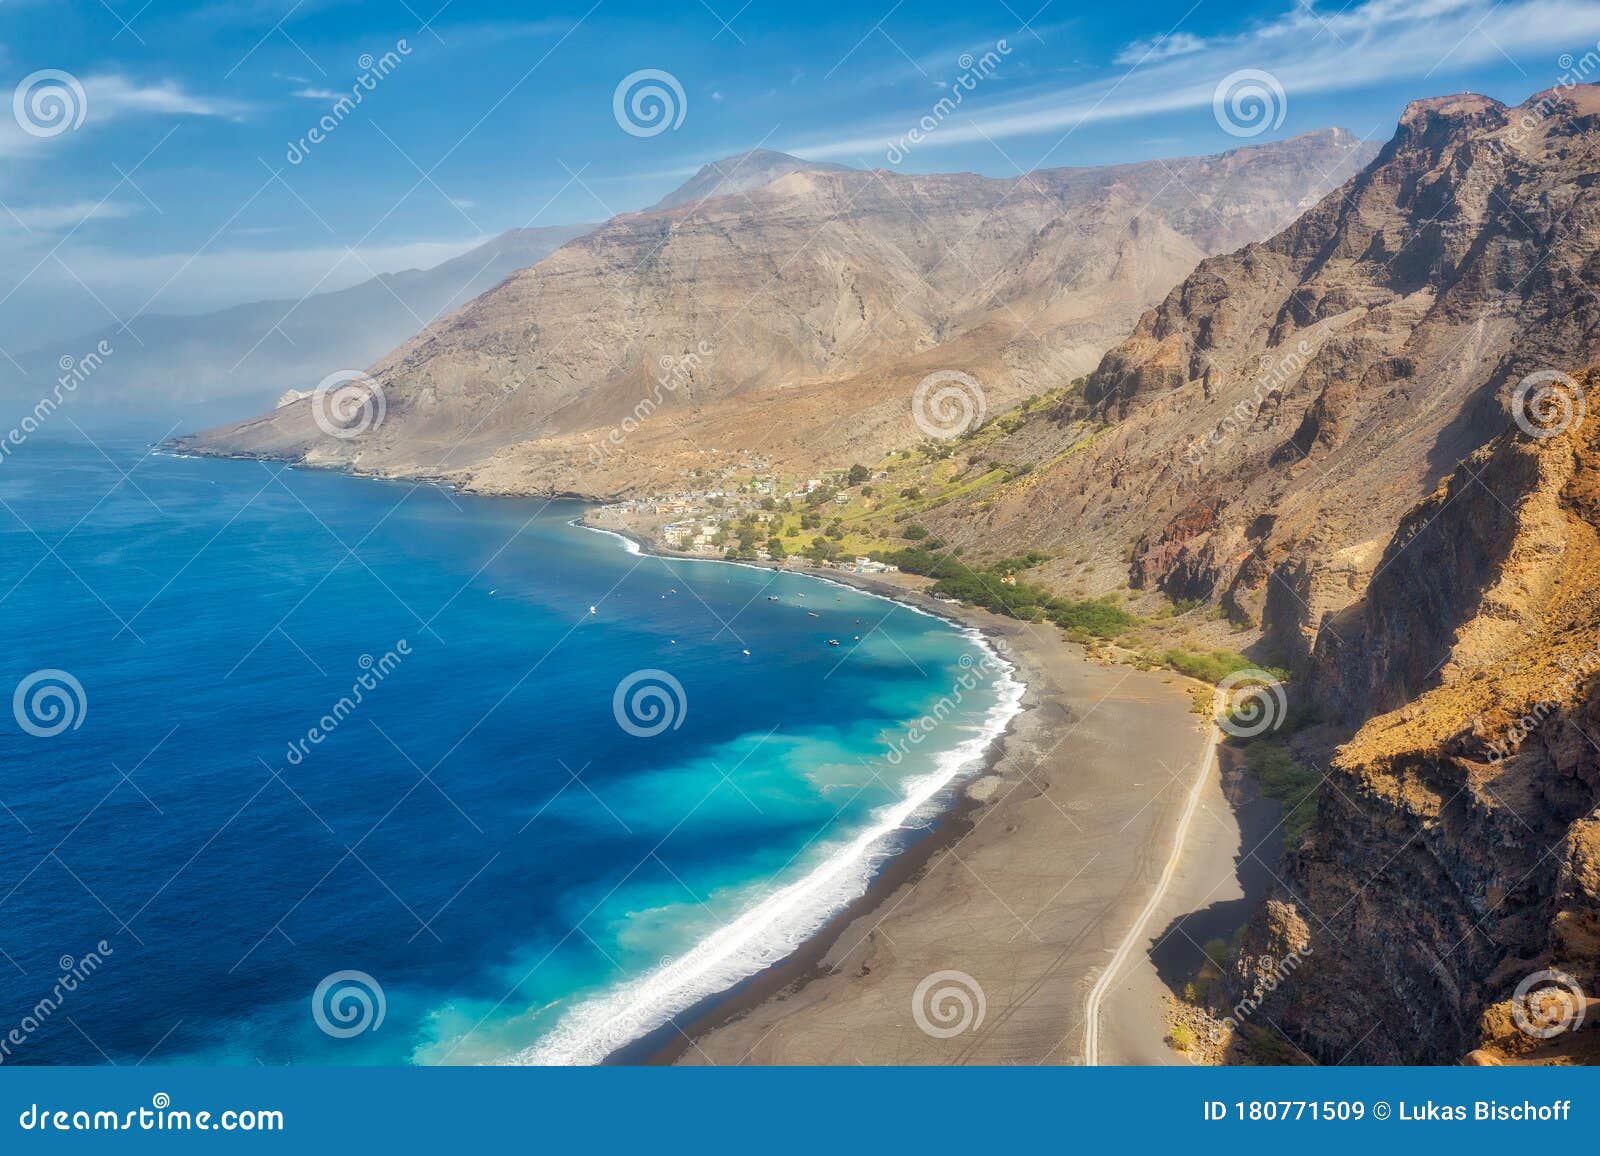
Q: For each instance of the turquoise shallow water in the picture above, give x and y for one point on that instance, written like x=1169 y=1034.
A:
x=367 y=733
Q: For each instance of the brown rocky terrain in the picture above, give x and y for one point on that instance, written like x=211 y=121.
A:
x=794 y=320
x=1259 y=436
x=1459 y=851
x=1330 y=435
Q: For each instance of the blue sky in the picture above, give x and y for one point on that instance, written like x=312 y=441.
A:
x=176 y=192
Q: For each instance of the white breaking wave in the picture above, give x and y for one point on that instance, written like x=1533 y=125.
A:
x=776 y=926
x=628 y=543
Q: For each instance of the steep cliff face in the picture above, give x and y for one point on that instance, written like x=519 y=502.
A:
x=1266 y=426
x=794 y=320
x=1456 y=849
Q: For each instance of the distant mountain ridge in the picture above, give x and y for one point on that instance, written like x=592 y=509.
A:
x=742 y=173
x=796 y=319
x=210 y=366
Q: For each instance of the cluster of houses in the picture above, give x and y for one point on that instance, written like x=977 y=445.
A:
x=696 y=518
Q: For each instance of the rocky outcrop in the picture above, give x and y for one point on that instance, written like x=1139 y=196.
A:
x=793 y=321
x=1310 y=389
x=1456 y=848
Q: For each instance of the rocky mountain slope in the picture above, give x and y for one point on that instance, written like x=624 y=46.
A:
x=1358 y=438
x=793 y=321
x=1460 y=853
x=1257 y=438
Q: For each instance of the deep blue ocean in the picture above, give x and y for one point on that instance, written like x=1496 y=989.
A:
x=319 y=731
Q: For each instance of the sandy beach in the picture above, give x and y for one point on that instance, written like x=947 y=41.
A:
x=1018 y=899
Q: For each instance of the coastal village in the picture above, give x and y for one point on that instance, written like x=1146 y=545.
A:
x=746 y=511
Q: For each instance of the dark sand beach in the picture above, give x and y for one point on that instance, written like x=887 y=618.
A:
x=1023 y=892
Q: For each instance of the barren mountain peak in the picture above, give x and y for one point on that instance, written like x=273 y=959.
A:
x=740 y=173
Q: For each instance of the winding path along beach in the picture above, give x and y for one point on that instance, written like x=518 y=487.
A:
x=1063 y=860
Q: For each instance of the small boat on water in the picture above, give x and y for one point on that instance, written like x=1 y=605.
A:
x=833 y=642
x=813 y=614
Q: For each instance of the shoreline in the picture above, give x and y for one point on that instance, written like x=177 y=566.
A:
x=790 y=1012
x=797 y=996
x=844 y=990
x=783 y=924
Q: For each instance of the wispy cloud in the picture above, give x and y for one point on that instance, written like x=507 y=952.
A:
x=1376 y=42
x=1150 y=49
x=49 y=218
x=114 y=95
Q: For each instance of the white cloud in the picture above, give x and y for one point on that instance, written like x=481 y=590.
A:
x=309 y=93
x=115 y=95
x=1152 y=49
x=110 y=97
x=48 y=218
x=1378 y=42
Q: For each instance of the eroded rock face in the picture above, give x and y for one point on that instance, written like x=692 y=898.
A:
x=1456 y=849
x=793 y=319
x=1312 y=388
